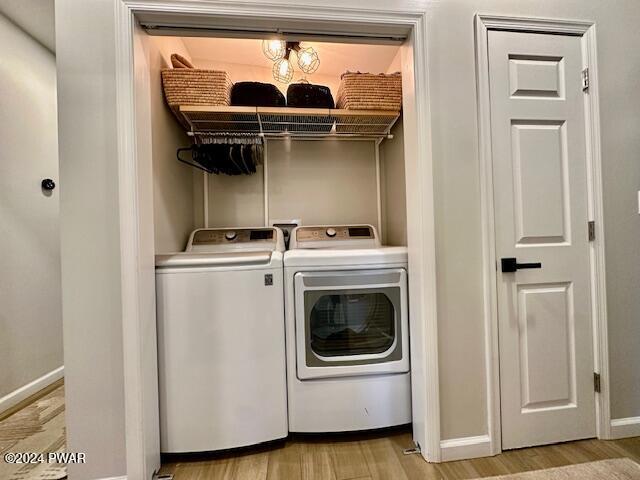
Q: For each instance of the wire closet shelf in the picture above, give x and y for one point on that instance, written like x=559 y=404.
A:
x=286 y=122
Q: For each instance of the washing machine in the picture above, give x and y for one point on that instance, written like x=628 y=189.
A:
x=347 y=327
x=221 y=342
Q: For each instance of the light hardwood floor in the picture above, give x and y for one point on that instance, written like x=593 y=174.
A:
x=37 y=427
x=373 y=456
x=380 y=457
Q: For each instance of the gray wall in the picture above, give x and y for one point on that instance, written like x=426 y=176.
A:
x=455 y=150
x=90 y=235
x=91 y=308
x=31 y=310
x=457 y=191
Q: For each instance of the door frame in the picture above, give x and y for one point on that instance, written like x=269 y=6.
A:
x=134 y=167
x=587 y=31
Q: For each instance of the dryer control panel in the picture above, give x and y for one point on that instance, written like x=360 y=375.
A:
x=335 y=236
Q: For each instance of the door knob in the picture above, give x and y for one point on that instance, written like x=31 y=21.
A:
x=48 y=184
x=510 y=265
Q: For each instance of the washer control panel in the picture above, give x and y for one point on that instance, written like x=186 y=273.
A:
x=335 y=236
x=231 y=240
x=210 y=236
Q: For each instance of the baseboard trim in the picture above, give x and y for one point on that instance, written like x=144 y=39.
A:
x=14 y=398
x=625 y=427
x=465 y=448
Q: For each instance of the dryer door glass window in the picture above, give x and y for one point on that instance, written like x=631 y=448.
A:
x=351 y=323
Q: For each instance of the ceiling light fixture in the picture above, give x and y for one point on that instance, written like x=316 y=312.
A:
x=308 y=60
x=274 y=49
x=283 y=70
x=280 y=52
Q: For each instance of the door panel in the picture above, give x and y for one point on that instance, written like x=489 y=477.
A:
x=539 y=171
x=540 y=196
x=546 y=345
x=536 y=76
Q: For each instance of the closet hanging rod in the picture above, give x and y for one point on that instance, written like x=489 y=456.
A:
x=226 y=134
x=295 y=135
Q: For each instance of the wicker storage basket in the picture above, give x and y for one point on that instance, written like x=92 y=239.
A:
x=192 y=86
x=368 y=91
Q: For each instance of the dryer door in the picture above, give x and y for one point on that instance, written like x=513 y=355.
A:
x=351 y=323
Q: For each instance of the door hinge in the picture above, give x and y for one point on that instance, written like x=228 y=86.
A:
x=585 y=79
x=596 y=382
x=592 y=230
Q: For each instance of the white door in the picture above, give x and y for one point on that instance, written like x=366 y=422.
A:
x=540 y=196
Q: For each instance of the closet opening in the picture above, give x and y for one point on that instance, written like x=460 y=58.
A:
x=318 y=153
x=317 y=165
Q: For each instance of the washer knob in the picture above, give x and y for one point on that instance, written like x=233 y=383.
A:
x=230 y=235
x=331 y=232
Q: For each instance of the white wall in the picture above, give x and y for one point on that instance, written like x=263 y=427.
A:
x=244 y=60
x=30 y=297
x=235 y=201
x=393 y=185
x=257 y=73
x=323 y=182
x=36 y=17
x=90 y=237
x=173 y=182
x=328 y=182
x=393 y=188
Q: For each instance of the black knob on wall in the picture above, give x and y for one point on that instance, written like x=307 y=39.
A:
x=48 y=184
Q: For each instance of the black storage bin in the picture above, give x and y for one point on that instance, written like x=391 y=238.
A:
x=306 y=95
x=256 y=94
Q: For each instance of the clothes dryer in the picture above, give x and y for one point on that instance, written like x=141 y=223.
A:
x=347 y=326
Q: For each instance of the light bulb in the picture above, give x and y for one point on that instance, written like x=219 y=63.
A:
x=283 y=70
x=308 y=60
x=274 y=49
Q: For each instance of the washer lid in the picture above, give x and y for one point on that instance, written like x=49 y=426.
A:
x=234 y=259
